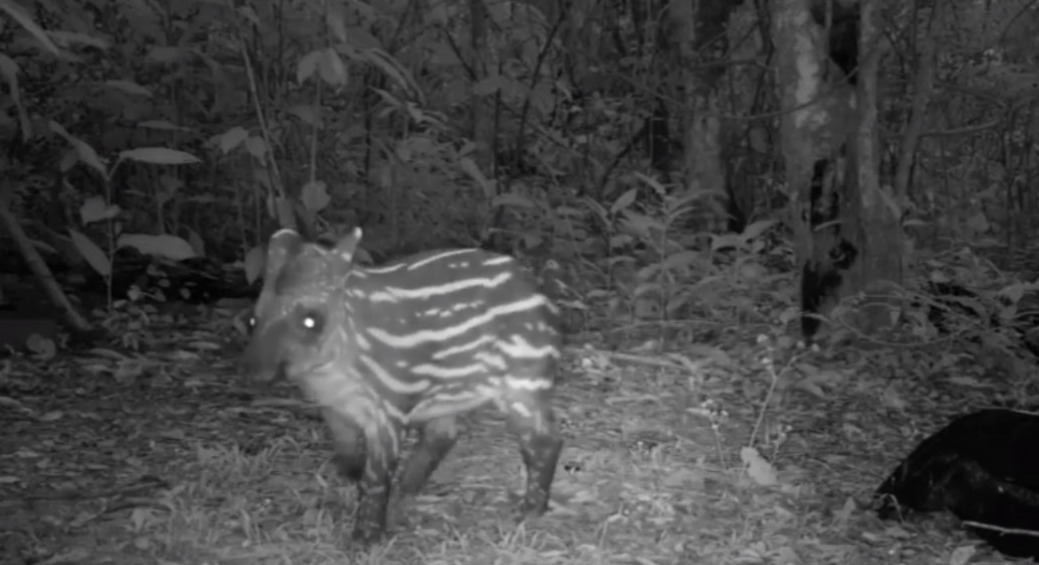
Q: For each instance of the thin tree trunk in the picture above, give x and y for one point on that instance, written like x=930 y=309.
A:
x=694 y=27
x=923 y=88
x=879 y=234
x=482 y=125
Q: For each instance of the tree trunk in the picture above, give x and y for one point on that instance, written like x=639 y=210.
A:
x=877 y=211
x=482 y=131
x=814 y=128
x=697 y=28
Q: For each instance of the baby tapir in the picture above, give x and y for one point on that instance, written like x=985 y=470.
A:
x=411 y=344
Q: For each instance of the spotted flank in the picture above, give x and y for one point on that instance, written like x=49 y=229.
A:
x=409 y=345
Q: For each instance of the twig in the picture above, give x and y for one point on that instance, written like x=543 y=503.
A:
x=1001 y=529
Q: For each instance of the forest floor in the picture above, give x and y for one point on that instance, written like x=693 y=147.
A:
x=165 y=456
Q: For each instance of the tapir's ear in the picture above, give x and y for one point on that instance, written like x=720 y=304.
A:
x=283 y=245
x=347 y=247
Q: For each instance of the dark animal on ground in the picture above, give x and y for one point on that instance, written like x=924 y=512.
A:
x=984 y=469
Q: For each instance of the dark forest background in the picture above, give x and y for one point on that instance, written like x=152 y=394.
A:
x=634 y=143
x=640 y=153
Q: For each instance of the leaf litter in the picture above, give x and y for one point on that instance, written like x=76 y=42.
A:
x=160 y=453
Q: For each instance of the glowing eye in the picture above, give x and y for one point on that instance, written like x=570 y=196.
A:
x=312 y=321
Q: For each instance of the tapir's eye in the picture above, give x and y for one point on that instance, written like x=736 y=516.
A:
x=250 y=324
x=312 y=321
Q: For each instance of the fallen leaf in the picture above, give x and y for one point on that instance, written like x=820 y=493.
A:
x=961 y=555
x=52 y=416
x=757 y=467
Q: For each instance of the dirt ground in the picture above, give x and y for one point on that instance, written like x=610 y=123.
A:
x=717 y=454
